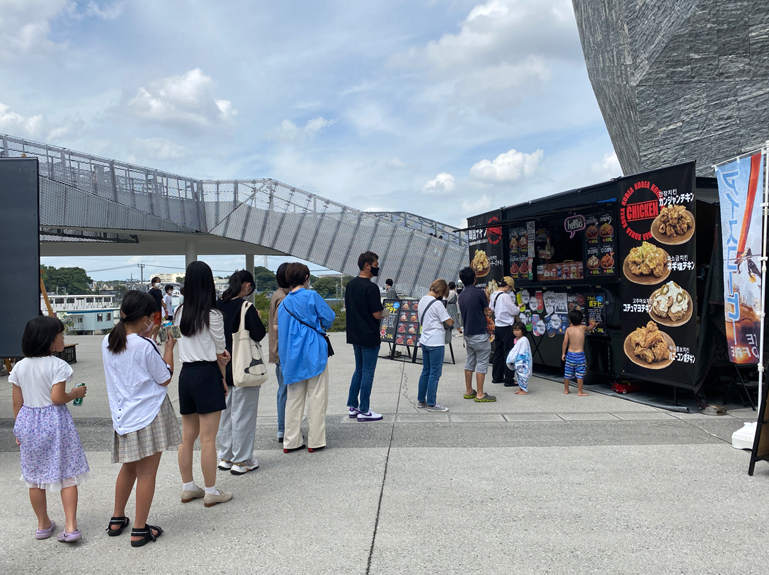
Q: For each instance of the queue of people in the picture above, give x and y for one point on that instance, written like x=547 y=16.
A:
x=216 y=406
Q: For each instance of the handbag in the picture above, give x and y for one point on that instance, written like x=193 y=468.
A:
x=248 y=367
x=323 y=333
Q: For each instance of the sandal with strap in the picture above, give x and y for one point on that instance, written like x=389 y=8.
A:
x=146 y=533
x=122 y=521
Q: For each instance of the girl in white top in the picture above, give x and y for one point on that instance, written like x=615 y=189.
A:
x=202 y=386
x=434 y=319
x=52 y=458
x=519 y=359
x=143 y=420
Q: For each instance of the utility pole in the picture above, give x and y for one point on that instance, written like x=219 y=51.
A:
x=141 y=267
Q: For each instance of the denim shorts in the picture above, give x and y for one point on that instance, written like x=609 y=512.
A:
x=478 y=352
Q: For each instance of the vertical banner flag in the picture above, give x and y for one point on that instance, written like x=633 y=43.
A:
x=740 y=189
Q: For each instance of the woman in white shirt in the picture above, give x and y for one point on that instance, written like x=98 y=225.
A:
x=434 y=320
x=202 y=388
x=502 y=303
x=143 y=420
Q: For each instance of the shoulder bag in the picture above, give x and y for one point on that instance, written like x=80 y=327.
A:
x=421 y=319
x=248 y=367
x=323 y=333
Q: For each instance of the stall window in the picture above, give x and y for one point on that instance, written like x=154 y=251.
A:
x=99 y=317
x=109 y=317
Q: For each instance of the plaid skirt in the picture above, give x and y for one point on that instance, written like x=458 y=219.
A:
x=159 y=435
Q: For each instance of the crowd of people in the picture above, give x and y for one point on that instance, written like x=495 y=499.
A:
x=219 y=393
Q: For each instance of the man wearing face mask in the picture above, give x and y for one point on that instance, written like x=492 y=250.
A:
x=364 y=308
x=158 y=317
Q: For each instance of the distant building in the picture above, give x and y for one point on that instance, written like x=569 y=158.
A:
x=169 y=278
x=84 y=314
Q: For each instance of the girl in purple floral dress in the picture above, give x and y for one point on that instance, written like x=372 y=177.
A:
x=52 y=458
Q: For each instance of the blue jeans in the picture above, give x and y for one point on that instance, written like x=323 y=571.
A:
x=282 y=393
x=363 y=377
x=432 y=368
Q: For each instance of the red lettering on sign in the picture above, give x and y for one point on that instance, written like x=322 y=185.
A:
x=494 y=234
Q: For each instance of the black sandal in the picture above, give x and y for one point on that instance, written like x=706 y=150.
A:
x=122 y=521
x=146 y=534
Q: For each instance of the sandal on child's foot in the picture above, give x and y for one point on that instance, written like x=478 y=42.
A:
x=46 y=533
x=71 y=537
x=146 y=534
x=121 y=521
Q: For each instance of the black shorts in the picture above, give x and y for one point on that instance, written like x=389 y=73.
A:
x=200 y=388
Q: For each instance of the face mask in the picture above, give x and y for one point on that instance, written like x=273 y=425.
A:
x=147 y=328
x=374 y=272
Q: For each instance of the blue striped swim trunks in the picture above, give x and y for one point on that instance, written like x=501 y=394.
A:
x=576 y=365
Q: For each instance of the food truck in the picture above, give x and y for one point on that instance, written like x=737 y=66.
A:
x=633 y=254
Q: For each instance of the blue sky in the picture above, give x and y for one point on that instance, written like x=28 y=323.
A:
x=444 y=108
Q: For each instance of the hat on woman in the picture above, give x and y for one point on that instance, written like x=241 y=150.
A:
x=509 y=281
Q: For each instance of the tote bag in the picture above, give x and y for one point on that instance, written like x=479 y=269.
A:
x=248 y=367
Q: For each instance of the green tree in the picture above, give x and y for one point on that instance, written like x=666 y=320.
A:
x=73 y=281
x=340 y=322
x=179 y=279
x=326 y=287
x=262 y=304
x=265 y=279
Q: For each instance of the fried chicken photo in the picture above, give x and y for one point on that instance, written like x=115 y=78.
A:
x=649 y=344
x=674 y=221
x=647 y=259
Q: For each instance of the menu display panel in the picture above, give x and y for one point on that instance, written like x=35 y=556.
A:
x=486 y=251
x=388 y=323
x=657 y=260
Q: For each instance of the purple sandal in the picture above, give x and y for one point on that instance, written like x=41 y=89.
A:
x=45 y=533
x=69 y=537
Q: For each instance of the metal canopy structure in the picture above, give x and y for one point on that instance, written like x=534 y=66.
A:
x=97 y=206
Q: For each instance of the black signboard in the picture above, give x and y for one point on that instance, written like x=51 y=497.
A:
x=657 y=240
x=20 y=253
x=487 y=251
x=520 y=262
x=389 y=320
x=407 y=329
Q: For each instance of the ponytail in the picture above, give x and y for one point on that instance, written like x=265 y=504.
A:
x=135 y=306
x=236 y=284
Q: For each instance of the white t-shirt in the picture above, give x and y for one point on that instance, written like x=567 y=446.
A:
x=433 y=330
x=169 y=301
x=204 y=345
x=132 y=383
x=504 y=309
x=35 y=376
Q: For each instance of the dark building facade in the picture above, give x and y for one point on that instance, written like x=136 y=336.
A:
x=678 y=80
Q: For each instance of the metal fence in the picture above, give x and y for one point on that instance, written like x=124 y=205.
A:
x=266 y=212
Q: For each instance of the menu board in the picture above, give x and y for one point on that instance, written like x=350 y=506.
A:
x=600 y=242
x=389 y=320
x=486 y=251
x=657 y=240
x=521 y=254
x=547 y=311
x=407 y=323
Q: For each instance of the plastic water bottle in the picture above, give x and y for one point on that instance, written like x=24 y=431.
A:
x=79 y=400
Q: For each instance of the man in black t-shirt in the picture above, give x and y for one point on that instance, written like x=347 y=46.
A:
x=364 y=308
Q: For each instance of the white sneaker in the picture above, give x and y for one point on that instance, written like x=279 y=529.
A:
x=224 y=465
x=437 y=407
x=244 y=467
x=370 y=416
x=353 y=412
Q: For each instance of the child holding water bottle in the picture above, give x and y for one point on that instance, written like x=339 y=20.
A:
x=52 y=458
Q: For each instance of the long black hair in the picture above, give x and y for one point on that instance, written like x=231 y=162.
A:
x=236 y=284
x=199 y=299
x=136 y=305
x=39 y=335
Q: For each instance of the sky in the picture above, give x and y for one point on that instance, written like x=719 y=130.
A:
x=443 y=108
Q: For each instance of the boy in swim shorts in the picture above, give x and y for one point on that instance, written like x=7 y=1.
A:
x=574 y=351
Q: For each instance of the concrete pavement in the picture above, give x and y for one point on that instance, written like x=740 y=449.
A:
x=545 y=483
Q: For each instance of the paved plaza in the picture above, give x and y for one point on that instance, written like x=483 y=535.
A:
x=546 y=483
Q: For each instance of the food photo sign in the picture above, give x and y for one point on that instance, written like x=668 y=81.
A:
x=486 y=251
x=658 y=275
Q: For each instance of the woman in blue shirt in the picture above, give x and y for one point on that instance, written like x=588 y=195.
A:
x=303 y=318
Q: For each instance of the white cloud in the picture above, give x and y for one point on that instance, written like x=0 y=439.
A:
x=507 y=167
x=396 y=163
x=608 y=167
x=18 y=125
x=443 y=182
x=158 y=148
x=186 y=99
x=483 y=204
x=290 y=132
x=106 y=12
x=25 y=25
